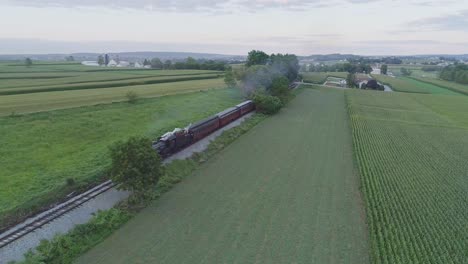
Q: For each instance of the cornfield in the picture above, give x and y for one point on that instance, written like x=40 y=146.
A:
x=413 y=160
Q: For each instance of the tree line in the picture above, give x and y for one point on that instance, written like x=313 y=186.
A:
x=189 y=63
x=354 y=67
x=456 y=73
x=265 y=79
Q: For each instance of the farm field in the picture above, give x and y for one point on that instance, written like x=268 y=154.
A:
x=321 y=77
x=409 y=85
x=453 y=86
x=41 y=151
x=412 y=151
x=285 y=192
x=45 y=101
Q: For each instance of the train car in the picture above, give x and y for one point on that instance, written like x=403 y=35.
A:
x=203 y=128
x=228 y=115
x=246 y=107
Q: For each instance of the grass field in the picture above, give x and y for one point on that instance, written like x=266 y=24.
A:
x=40 y=151
x=412 y=152
x=409 y=85
x=321 y=77
x=34 y=102
x=453 y=86
x=285 y=192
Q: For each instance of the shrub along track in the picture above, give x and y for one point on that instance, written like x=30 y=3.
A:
x=286 y=192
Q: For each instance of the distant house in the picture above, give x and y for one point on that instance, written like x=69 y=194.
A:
x=147 y=66
x=123 y=64
x=112 y=63
x=137 y=65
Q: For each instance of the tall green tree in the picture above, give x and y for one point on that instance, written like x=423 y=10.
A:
x=384 y=69
x=229 y=78
x=156 y=63
x=136 y=166
x=100 y=60
x=406 y=72
x=168 y=64
x=257 y=57
x=351 y=80
x=28 y=62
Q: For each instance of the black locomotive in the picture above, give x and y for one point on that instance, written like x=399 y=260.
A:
x=171 y=142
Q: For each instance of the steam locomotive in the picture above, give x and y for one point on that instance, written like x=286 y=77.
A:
x=171 y=142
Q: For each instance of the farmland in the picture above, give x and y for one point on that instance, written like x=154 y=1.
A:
x=409 y=85
x=321 y=77
x=285 y=192
x=40 y=151
x=453 y=86
x=412 y=150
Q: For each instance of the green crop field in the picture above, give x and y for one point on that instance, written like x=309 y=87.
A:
x=412 y=152
x=34 y=102
x=409 y=85
x=453 y=86
x=41 y=151
x=321 y=77
x=285 y=192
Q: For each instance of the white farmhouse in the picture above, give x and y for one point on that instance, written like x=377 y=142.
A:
x=137 y=65
x=112 y=63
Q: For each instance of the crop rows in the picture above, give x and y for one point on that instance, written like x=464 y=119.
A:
x=413 y=172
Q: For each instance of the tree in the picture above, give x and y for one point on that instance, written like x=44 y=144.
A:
x=351 y=80
x=384 y=69
x=406 y=72
x=191 y=63
x=156 y=63
x=280 y=87
x=100 y=60
x=168 y=64
x=257 y=77
x=28 y=62
x=146 y=62
x=229 y=78
x=257 y=57
x=69 y=58
x=136 y=166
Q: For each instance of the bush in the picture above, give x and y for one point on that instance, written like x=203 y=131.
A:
x=132 y=97
x=267 y=104
x=136 y=166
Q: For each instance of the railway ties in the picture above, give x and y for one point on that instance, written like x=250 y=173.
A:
x=40 y=220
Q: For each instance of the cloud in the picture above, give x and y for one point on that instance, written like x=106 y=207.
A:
x=451 y=22
x=187 y=5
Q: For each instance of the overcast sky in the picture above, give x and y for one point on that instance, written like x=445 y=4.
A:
x=368 y=27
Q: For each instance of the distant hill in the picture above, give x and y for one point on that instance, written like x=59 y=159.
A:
x=128 y=56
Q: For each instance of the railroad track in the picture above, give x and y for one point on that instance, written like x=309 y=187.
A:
x=38 y=221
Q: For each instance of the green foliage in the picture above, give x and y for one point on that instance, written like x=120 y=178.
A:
x=229 y=79
x=406 y=72
x=63 y=249
x=457 y=73
x=384 y=69
x=156 y=63
x=286 y=65
x=280 y=88
x=132 y=97
x=136 y=166
x=351 y=80
x=267 y=104
x=100 y=60
x=257 y=57
x=28 y=62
